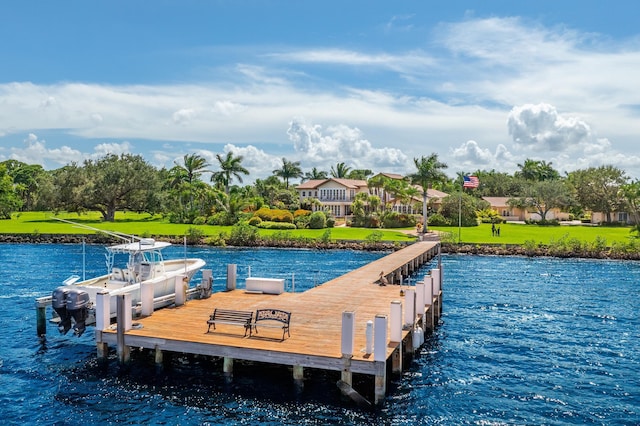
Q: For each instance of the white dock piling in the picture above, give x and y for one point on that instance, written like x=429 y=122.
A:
x=146 y=298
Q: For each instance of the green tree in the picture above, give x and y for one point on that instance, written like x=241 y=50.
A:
x=543 y=196
x=359 y=174
x=428 y=171
x=289 y=170
x=598 y=188
x=535 y=170
x=114 y=183
x=186 y=176
x=9 y=200
x=230 y=167
x=631 y=194
x=315 y=174
x=27 y=179
x=341 y=171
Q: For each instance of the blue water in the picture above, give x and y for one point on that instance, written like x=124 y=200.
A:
x=521 y=341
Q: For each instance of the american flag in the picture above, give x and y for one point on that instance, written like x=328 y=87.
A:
x=471 y=182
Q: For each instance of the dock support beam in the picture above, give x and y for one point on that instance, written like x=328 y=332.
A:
x=123 y=303
x=298 y=376
x=41 y=320
x=227 y=367
x=158 y=357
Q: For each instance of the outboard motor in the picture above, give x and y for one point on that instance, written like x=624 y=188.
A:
x=78 y=309
x=59 y=304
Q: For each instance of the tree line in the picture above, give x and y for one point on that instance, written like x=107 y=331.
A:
x=128 y=182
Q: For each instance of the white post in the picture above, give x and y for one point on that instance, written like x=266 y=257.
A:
x=409 y=307
x=380 y=338
x=128 y=315
x=249 y=272
x=146 y=296
x=103 y=310
x=420 y=298
x=231 y=276
x=428 y=292
x=181 y=290
x=348 y=333
x=369 y=335
x=435 y=273
x=396 y=321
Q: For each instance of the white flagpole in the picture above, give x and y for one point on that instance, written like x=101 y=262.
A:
x=460 y=214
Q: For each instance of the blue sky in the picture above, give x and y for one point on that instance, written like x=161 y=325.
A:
x=484 y=84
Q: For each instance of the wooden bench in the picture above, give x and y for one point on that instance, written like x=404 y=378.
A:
x=272 y=318
x=231 y=317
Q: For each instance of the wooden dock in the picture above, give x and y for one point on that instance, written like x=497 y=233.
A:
x=316 y=325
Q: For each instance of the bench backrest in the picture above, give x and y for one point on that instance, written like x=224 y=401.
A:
x=273 y=314
x=230 y=315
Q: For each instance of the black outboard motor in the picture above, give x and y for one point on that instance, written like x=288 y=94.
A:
x=59 y=304
x=78 y=309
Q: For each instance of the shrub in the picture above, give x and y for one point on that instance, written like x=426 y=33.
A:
x=301 y=212
x=317 y=220
x=266 y=224
x=243 y=235
x=200 y=220
x=255 y=221
x=274 y=215
x=438 y=220
x=331 y=222
x=194 y=235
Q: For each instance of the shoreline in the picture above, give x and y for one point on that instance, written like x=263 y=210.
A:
x=449 y=248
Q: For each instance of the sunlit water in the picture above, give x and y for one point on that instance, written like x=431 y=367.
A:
x=521 y=341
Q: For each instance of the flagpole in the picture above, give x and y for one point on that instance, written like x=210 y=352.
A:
x=460 y=214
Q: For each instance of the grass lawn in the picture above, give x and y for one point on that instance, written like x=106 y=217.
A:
x=513 y=233
x=145 y=224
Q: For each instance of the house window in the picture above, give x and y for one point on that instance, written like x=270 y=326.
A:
x=623 y=217
x=303 y=193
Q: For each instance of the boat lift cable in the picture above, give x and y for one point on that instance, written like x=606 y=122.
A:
x=122 y=236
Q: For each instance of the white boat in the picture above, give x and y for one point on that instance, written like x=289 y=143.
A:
x=129 y=266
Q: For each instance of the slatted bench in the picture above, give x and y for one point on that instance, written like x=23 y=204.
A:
x=231 y=317
x=272 y=318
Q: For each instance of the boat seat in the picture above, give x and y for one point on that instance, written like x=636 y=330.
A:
x=117 y=274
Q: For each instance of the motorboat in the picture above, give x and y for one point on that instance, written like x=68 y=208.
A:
x=129 y=266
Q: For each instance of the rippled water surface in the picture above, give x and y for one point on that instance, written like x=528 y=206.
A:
x=522 y=341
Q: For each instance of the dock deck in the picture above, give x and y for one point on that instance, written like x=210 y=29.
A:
x=316 y=319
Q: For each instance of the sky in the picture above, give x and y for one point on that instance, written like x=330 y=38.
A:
x=373 y=84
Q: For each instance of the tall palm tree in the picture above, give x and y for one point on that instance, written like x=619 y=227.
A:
x=289 y=170
x=429 y=170
x=341 y=171
x=192 y=167
x=230 y=167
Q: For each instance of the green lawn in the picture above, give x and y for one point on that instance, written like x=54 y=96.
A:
x=511 y=233
x=144 y=224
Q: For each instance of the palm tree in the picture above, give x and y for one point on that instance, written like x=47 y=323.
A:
x=315 y=174
x=188 y=172
x=341 y=171
x=429 y=170
x=289 y=169
x=230 y=167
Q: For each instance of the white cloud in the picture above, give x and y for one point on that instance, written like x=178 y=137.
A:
x=340 y=143
x=36 y=152
x=540 y=127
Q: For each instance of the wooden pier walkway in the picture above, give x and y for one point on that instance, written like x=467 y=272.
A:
x=315 y=326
